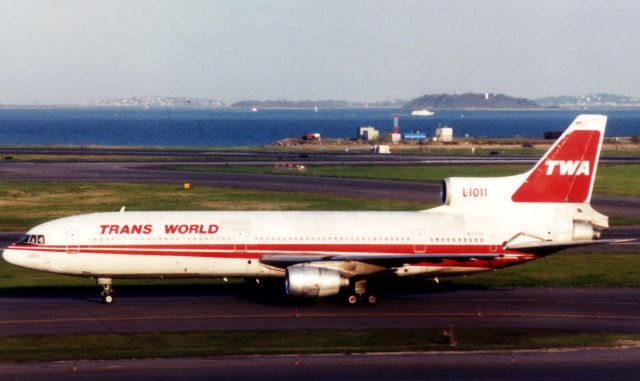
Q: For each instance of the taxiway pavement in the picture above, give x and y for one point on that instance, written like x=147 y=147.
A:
x=576 y=364
x=247 y=307
x=359 y=154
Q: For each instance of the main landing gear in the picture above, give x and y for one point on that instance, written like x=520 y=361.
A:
x=367 y=299
x=359 y=295
x=107 y=290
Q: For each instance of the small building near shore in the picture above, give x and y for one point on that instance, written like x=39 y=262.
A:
x=368 y=133
x=414 y=136
x=382 y=149
x=311 y=136
x=444 y=134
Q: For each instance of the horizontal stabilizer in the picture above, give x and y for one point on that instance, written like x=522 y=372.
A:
x=549 y=247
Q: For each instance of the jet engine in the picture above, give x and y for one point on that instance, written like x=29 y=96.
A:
x=583 y=230
x=445 y=192
x=462 y=190
x=466 y=190
x=568 y=229
x=308 y=281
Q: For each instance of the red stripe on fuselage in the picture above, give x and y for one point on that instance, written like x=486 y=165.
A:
x=257 y=251
x=260 y=249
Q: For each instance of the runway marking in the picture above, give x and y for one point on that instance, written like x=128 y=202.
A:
x=476 y=314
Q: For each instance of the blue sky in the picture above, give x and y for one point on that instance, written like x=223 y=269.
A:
x=57 y=51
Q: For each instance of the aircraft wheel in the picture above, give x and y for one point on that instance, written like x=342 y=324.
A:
x=107 y=299
x=371 y=299
x=352 y=299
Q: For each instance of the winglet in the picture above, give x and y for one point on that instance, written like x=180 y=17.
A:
x=567 y=171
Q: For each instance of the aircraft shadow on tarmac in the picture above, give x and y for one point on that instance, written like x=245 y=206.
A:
x=266 y=293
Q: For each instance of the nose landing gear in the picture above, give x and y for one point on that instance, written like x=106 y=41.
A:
x=107 y=290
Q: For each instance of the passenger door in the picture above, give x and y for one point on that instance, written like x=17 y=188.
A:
x=73 y=242
x=419 y=242
x=240 y=240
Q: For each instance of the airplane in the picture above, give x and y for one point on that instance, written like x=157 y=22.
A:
x=483 y=224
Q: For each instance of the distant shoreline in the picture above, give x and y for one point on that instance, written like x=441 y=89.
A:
x=248 y=109
x=437 y=102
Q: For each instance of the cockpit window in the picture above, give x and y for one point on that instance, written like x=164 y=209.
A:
x=33 y=239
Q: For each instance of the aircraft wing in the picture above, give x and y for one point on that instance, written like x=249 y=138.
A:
x=382 y=260
x=549 y=247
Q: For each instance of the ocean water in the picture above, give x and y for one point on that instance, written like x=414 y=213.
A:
x=209 y=128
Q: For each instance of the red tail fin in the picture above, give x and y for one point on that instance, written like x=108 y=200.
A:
x=567 y=171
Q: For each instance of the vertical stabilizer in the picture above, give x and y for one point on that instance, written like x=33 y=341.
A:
x=567 y=171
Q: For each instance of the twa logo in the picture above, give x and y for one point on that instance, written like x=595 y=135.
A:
x=567 y=167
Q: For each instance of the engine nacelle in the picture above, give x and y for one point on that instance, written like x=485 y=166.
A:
x=583 y=230
x=567 y=229
x=313 y=281
x=464 y=190
x=445 y=192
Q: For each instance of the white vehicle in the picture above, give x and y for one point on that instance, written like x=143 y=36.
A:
x=423 y=112
x=483 y=224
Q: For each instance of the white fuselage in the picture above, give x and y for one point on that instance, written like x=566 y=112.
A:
x=231 y=244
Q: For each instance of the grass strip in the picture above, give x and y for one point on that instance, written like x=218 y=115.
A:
x=423 y=173
x=224 y=343
x=612 y=179
x=95 y=158
x=564 y=270
x=26 y=204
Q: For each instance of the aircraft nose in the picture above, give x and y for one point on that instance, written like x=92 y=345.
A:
x=11 y=256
